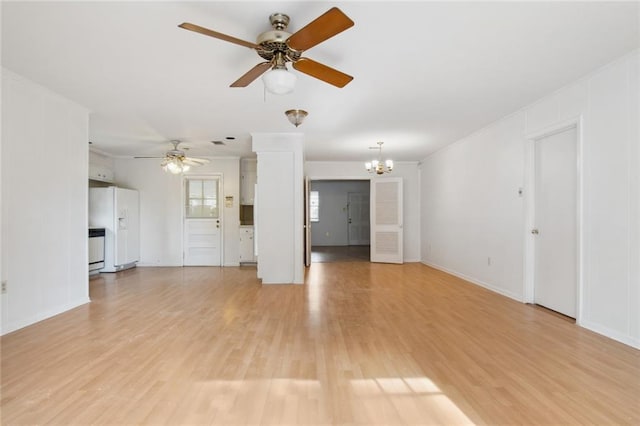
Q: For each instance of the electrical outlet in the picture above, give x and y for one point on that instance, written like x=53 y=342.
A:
x=4 y=287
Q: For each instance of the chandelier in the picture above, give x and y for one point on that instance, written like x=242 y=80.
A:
x=377 y=166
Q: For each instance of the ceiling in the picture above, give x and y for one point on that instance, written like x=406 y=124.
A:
x=425 y=73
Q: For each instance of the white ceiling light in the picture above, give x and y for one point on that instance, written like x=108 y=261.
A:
x=296 y=116
x=279 y=81
x=377 y=166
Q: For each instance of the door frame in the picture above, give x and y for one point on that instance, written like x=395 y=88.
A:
x=183 y=185
x=307 y=223
x=529 y=208
x=312 y=178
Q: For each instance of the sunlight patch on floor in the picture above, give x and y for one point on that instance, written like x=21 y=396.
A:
x=392 y=400
x=415 y=399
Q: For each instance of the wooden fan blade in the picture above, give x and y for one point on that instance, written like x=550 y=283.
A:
x=148 y=157
x=215 y=34
x=195 y=161
x=251 y=75
x=322 y=72
x=324 y=27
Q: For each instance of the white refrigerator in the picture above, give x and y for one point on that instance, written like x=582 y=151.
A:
x=117 y=210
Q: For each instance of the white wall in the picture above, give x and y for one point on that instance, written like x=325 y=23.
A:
x=333 y=229
x=471 y=210
x=99 y=159
x=161 y=207
x=44 y=203
x=345 y=170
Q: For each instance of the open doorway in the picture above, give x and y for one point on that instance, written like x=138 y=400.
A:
x=339 y=220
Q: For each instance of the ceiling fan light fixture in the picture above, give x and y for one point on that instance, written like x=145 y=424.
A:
x=296 y=116
x=176 y=162
x=279 y=81
x=175 y=166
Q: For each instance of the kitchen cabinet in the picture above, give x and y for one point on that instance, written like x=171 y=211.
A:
x=246 y=245
x=248 y=177
x=100 y=173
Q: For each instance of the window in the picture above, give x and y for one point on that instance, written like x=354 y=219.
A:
x=314 y=206
x=202 y=198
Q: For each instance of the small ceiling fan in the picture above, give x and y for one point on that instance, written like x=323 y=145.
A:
x=175 y=160
x=278 y=47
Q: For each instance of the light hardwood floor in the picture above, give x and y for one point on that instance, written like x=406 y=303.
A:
x=359 y=343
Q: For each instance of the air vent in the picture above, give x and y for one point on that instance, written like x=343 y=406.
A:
x=217 y=142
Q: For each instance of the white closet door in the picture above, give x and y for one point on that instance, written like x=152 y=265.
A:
x=556 y=222
x=386 y=220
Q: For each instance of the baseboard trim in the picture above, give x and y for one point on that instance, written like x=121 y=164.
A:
x=25 y=322
x=177 y=265
x=475 y=281
x=596 y=328
x=611 y=334
x=158 y=265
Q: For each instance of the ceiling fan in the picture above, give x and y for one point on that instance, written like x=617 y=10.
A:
x=278 y=47
x=175 y=160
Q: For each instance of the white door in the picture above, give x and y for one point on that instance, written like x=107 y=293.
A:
x=386 y=220
x=202 y=222
x=555 y=217
x=358 y=208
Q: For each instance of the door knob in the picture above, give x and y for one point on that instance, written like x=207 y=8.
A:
x=535 y=231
